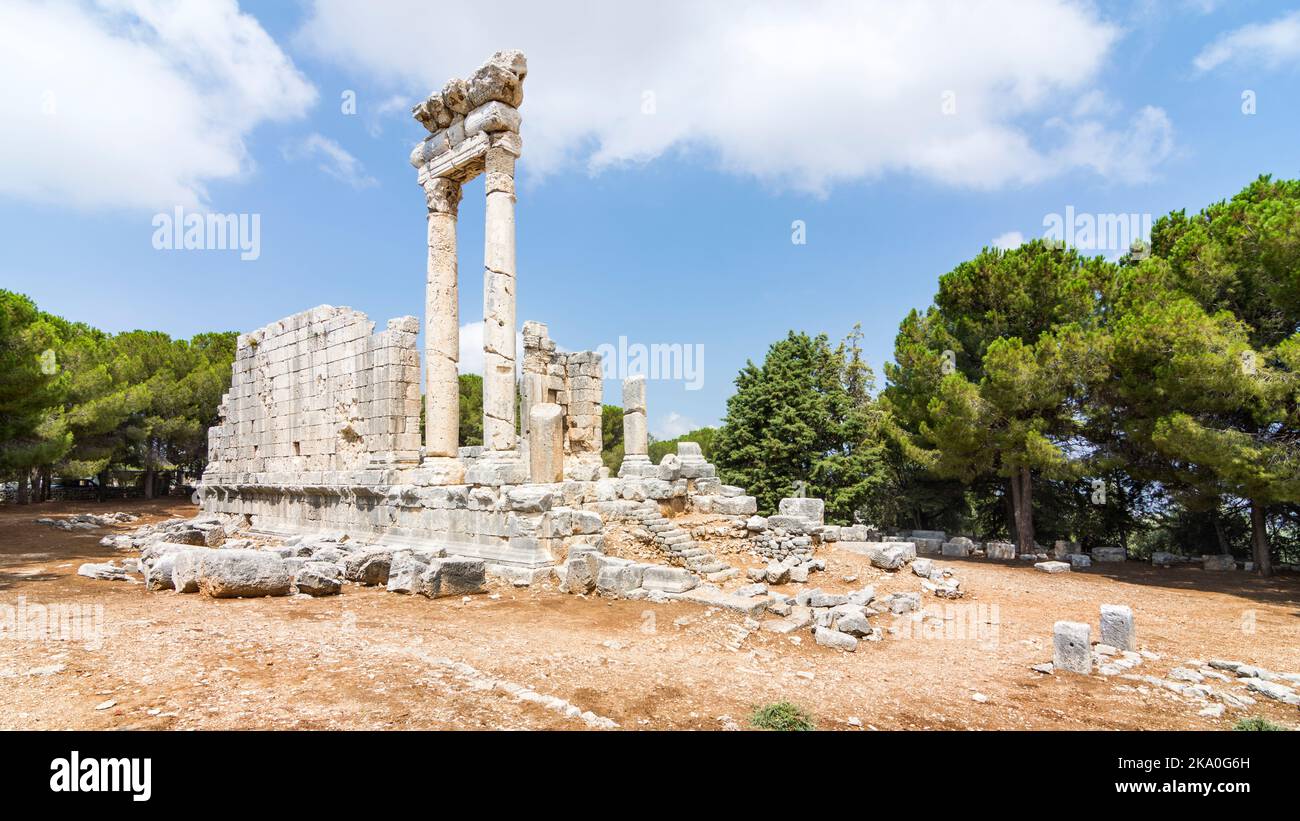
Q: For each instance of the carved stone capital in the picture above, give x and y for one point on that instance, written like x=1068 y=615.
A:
x=442 y=195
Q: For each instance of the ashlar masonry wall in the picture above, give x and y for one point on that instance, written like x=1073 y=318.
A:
x=320 y=391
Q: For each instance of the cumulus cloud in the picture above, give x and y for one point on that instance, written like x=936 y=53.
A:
x=331 y=158
x=135 y=103
x=803 y=95
x=673 y=425
x=1271 y=45
x=1009 y=240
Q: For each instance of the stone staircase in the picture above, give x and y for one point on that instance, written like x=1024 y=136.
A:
x=679 y=546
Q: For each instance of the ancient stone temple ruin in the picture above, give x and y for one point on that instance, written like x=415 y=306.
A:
x=320 y=429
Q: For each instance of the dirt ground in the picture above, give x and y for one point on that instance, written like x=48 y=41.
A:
x=371 y=660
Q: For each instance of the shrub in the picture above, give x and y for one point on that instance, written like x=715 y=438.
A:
x=781 y=716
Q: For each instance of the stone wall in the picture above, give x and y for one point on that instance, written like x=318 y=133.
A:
x=320 y=391
x=573 y=381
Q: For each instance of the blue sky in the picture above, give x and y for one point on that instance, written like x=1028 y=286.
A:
x=905 y=137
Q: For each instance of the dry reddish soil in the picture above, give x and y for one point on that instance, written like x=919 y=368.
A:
x=369 y=659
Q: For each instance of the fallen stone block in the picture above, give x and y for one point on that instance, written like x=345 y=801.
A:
x=1109 y=554
x=103 y=572
x=1001 y=551
x=617 y=577
x=159 y=574
x=827 y=637
x=959 y=548
x=368 y=567
x=319 y=579
x=1072 y=647
x=1219 y=562
x=404 y=573
x=1117 y=627
x=1053 y=567
x=1080 y=560
x=453 y=576
x=228 y=574
x=668 y=579
x=711 y=596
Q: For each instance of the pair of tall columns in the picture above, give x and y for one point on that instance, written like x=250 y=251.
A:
x=442 y=313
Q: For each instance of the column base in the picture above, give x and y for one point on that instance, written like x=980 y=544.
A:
x=442 y=470
x=637 y=465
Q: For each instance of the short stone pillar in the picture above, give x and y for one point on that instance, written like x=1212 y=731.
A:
x=636 y=434
x=546 y=443
x=1072 y=647
x=1117 y=627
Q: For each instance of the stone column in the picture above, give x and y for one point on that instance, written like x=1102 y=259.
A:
x=636 y=436
x=441 y=326
x=499 y=301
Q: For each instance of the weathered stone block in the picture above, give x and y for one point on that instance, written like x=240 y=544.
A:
x=225 y=574
x=1072 y=647
x=1117 y=628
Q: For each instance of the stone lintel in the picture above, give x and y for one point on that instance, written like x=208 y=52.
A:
x=462 y=163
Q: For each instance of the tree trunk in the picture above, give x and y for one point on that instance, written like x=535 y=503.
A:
x=1221 y=532
x=148 y=482
x=20 y=495
x=1259 y=540
x=1016 y=509
x=1026 y=544
x=103 y=486
x=46 y=482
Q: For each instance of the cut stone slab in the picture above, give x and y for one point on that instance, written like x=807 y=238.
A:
x=1072 y=647
x=959 y=547
x=668 y=579
x=1117 y=627
x=319 y=579
x=1108 y=554
x=711 y=596
x=453 y=576
x=1053 y=567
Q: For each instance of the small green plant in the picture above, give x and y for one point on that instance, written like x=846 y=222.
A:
x=780 y=716
x=1257 y=724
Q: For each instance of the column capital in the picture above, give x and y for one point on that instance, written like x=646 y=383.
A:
x=442 y=195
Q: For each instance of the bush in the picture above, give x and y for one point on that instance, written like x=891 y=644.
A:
x=1257 y=724
x=780 y=716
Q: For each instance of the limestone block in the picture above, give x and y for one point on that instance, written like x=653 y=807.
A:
x=1222 y=561
x=453 y=576
x=404 y=573
x=1072 y=647
x=958 y=548
x=490 y=117
x=1117 y=628
x=1108 y=554
x=826 y=637
x=809 y=509
x=668 y=579
x=546 y=443
x=530 y=498
x=1052 y=567
x=617 y=577
x=635 y=433
x=1000 y=550
x=493 y=82
x=224 y=574
x=733 y=505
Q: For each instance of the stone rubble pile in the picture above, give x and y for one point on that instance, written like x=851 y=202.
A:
x=194 y=556
x=87 y=521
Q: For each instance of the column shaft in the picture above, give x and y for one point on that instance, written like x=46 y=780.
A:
x=499 y=303
x=441 y=323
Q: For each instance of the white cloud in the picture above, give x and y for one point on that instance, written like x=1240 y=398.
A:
x=1009 y=240
x=798 y=95
x=135 y=103
x=1271 y=45
x=471 y=348
x=331 y=158
x=674 y=425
